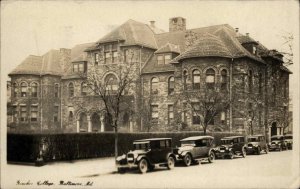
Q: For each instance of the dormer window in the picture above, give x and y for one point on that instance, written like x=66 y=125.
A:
x=111 y=53
x=254 y=50
x=79 y=67
x=164 y=59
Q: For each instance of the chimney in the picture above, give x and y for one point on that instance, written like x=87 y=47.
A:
x=152 y=23
x=236 y=30
x=177 y=24
x=247 y=34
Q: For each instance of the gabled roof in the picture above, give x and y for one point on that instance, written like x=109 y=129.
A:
x=243 y=39
x=31 y=65
x=78 y=54
x=169 y=47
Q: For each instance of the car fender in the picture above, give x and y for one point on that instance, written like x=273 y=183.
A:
x=170 y=154
x=140 y=157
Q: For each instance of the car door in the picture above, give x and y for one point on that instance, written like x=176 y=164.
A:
x=204 y=147
x=155 y=154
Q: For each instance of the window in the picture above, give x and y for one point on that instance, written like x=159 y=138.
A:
x=79 y=67
x=171 y=84
x=84 y=89
x=115 y=47
x=126 y=54
x=167 y=58
x=196 y=79
x=115 y=57
x=55 y=113
x=184 y=112
x=260 y=82
x=107 y=57
x=107 y=48
x=250 y=80
x=162 y=144
x=75 y=67
x=254 y=50
x=23 y=110
x=223 y=117
x=23 y=89
x=154 y=86
x=210 y=78
x=196 y=113
x=15 y=89
x=224 y=80
x=97 y=59
x=111 y=82
x=185 y=75
x=56 y=90
x=34 y=89
x=71 y=89
x=170 y=113
x=154 y=113
x=160 y=59
x=71 y=116
x=274 y=94
x=34 y=113
x=250 y=109
x=285 y=84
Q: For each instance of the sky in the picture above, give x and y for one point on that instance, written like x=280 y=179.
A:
x=35 y=27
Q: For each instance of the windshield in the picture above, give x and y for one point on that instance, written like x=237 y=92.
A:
x=228 y=141
x=188 y=143
x=288 y=137
x=141 y=146
x=253 y=139
x=276 y=138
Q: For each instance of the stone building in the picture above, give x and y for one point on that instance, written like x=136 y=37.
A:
x=49 y=92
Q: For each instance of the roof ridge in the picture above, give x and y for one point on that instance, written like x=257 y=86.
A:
x=153 y=34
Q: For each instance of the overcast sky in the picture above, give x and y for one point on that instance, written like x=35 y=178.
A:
x=34 y=27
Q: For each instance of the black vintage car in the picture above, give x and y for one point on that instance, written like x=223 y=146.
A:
x=231 y=146
x=277 y=143
x=148 y=153
x=196 y=148
x=289 y=141
x=256 y=144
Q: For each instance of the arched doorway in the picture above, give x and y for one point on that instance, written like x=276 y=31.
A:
x=274 y=129
x=83 y=123
x=96 y=123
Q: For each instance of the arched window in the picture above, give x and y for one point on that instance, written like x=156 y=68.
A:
x=250 y=80
x=185 y=75
x=34 y=89
x=71 y=89
x=111 y=82
x=56 y=90
x=210 y=78
x=15 y=89
x=84 y=89
x=71 y=116
x=224 y=80
x=154 y=85
x=23 y=89
x=171 y=84
x=196 y=79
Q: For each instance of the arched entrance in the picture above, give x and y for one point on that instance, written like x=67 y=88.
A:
x=274 y=129
x=96 y=123
x=83 y=123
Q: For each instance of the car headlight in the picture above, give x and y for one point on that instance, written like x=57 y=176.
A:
x=179 y=151
x=119 y=158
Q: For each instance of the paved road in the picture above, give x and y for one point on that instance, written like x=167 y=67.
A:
x=273 y=170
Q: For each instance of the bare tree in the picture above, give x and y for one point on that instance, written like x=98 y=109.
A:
x=288 y=39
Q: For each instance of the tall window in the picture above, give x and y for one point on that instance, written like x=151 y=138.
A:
x=260 y=82
x=56 y=90
x=184 y=112
x=15 y=114
x=154 y=113
x=170 y=114
x=71 y=116
x=154 y=85
x=34 y=89
x=223 y=117
x=55 y=113
x=210 y=78
x=160 y=59
x=111 y=82
x=115 y=57
x=196 y=113
x=171 y=84
x=97 y=59
x=168 y=58
x=196 y=79
x=23 y=89
x=71 y=89
x=285 y=84
x=250 y=80
x=224 y=80
x=185 y=75
x=84 y=89
x=15 y=89
x=23 y=111
x=34 y=113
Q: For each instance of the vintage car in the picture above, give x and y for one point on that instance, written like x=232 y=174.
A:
x=256 y=143
x=277 y=143
x=146 y=154
x=194 y=149
x=231 y=146
x=289 y=141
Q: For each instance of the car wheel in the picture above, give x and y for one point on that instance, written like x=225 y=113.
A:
x=211 y=156
x=258 y=150
x=243 y=152
x=143 y=166
x=187 y=160
x=121 y=170
x=171 y=162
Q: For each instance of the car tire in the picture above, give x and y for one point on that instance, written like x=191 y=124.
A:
x=170 y=162
x=258 y=150
x=244 y=152
x=121 y=170
x=211 y=156
x=187 y=160
x=143 y=166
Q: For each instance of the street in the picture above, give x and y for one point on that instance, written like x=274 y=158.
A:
x=273 y=170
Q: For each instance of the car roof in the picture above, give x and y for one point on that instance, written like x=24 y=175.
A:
x=197 y=138
x=152 y=139
x=230 y=137
x=288 y=135
x=276 y=136
x=254 y=136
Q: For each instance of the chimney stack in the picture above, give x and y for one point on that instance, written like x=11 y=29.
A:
x=236 y=30
x=177 y=24
x=247 y=34
x=152 y=23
